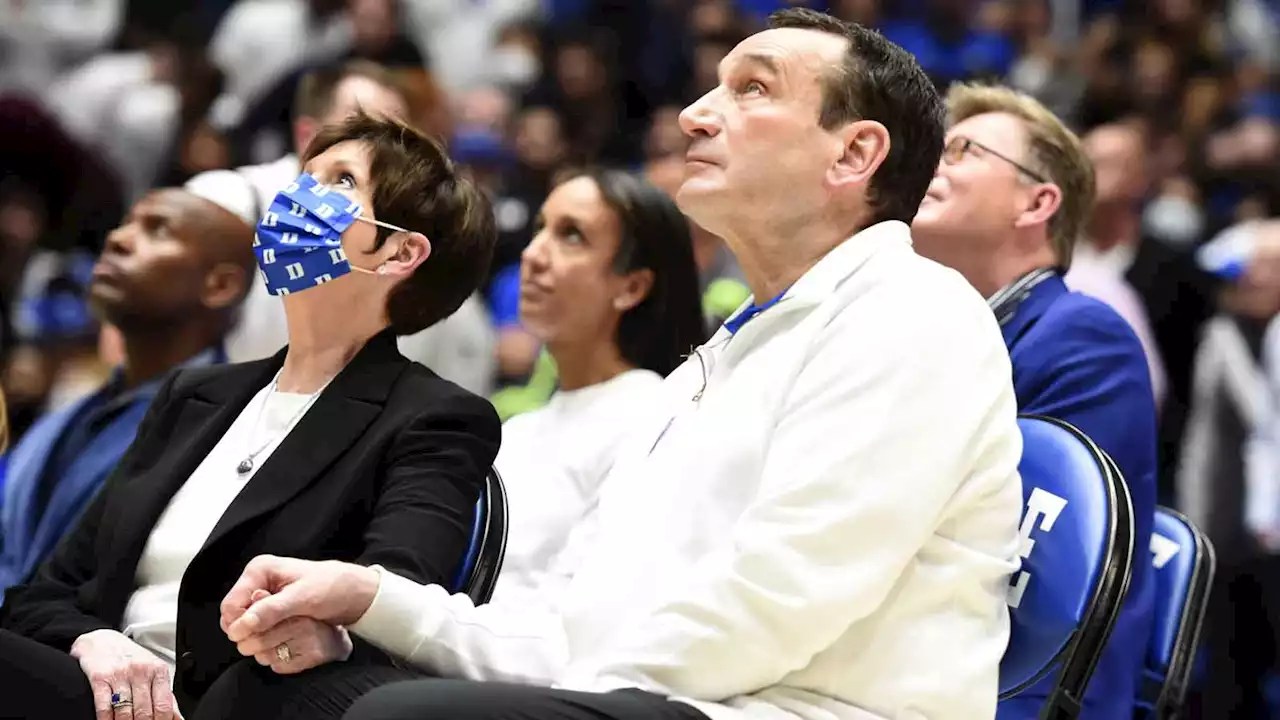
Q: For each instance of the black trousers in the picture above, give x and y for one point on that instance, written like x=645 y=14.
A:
x=249 y=691
x=41 y=683
x=468 y=700
x=38 y=682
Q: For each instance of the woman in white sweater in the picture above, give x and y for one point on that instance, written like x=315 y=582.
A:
x=609 y=286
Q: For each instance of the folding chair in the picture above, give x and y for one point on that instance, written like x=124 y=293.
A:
x=488 y=543
x=1184 y=564
x=1077 y=557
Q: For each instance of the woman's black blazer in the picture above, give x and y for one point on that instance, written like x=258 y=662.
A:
x=385 y=468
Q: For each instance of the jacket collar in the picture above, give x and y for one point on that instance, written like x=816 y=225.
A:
x=363 y=378
x=208 y=407
x=1006 y=301
x=1033 y=305
x=114 y=398
x=838 y=265
x=845 y=259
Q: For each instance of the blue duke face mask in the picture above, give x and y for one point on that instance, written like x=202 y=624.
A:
x=299 y=239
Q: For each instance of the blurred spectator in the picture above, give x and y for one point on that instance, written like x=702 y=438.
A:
x=587 y=93
x=40 y=39
x=949 y=44
x=170 y=279
x=1256 y=28
x=54 y=360
x=144 y=110
x=4 y=447
x=1175 y=293
x=540 y=149
x=461 y=36
x=1227 y=481
x=516 y=63
x=262 y=133
x=23 y=221
x=376 y=34
x=79 y=192
x=261 y=41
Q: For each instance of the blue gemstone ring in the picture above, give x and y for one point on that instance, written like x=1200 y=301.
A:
x=119 y=700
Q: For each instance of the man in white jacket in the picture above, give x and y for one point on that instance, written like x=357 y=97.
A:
x=821 y=519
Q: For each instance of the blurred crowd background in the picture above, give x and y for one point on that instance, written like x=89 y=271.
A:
x=103 y=100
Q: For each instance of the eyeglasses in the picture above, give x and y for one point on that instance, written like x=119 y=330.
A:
x=955 y=151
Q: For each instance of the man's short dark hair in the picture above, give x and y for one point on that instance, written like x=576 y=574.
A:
x=417 y=187
x=880 y=81
x=315 y=93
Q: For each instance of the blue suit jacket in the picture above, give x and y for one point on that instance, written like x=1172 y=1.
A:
x=1076 y=359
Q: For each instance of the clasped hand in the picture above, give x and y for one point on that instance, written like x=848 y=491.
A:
x=290 y=614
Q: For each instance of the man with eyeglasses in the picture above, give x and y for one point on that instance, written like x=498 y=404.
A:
x=1006 y=205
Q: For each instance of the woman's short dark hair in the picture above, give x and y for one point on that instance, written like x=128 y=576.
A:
x=416 y=186
x=663 y=328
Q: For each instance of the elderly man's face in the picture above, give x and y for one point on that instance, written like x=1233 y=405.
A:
x=757 y=148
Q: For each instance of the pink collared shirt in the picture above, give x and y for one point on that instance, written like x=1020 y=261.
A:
x=1094 y=275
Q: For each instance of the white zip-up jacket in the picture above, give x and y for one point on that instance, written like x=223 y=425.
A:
x=820 y=523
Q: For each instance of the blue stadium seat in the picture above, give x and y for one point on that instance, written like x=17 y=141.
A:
x=488 y=544
x=1077 y=557
x=1184 y=564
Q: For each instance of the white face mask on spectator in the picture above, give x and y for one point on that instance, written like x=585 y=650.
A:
x=1176 y=220
x=515 y=66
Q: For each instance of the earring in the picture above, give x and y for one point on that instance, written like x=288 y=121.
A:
x=382 y=269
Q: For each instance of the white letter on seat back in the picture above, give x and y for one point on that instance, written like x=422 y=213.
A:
x=1163 y=549
x=1046 y=507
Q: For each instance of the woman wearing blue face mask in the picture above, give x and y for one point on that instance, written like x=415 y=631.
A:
x=337 y=448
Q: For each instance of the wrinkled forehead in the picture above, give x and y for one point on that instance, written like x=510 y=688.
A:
x=796 y=55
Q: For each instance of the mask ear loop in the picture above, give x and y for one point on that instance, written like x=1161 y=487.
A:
x=381 y=269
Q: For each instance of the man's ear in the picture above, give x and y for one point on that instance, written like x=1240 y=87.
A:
x=224 y=286
x=864 y=146
x=1045 y=201
x=412 y=249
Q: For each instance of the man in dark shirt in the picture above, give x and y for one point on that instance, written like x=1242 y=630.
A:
x=169 y=279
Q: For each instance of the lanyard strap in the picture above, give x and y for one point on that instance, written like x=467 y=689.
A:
x=1006 y=301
